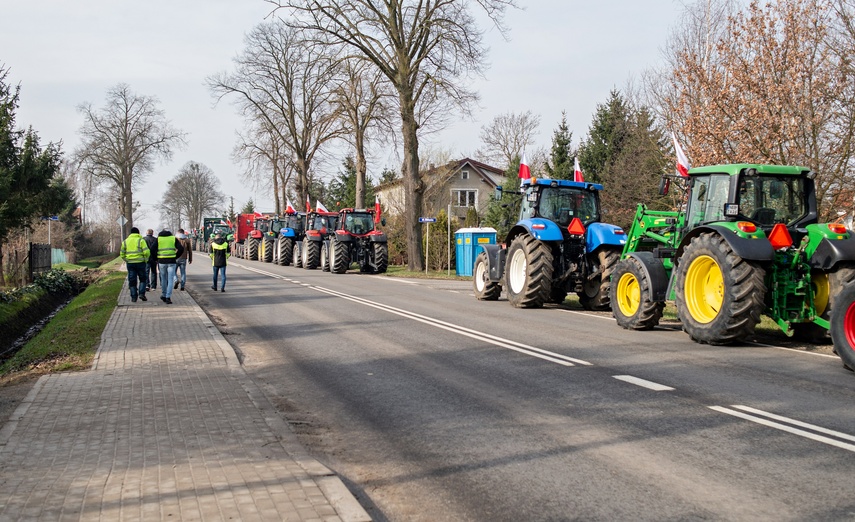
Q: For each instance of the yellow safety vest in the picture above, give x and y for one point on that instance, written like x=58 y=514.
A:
x=134 y=249
x=166 y=247
x=219 y=246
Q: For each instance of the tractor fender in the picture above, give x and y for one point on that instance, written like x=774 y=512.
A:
x=539 y=228
x=378 y=237
x=828 y=253
x=287 y=232
x=495 y=260
x=655 y=272
x=313 y=235
x=599 y=234
x=750 y=249
x=341 y=235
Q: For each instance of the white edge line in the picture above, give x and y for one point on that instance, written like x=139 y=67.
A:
x=794 y=422
x=783 y=427
x=643 y=383
x=791 y=349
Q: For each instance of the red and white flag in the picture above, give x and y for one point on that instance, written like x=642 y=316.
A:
x=682 y=161
x=224 y=223
x=320 y=206
x=258 y=214
x=289 y=207
x=577 y=171
x=376 y=209
x=308 y=205
x=525 y=171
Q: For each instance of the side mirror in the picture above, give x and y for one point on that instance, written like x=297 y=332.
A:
x=383 y=221
x=664 y=186
x=497 y=195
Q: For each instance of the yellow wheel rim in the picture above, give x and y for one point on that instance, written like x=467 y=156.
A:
x=628 y=294
x=704 y=289
x=821 y=291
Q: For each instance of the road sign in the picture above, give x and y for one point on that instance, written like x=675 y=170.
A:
x=121 y=221
x=427 y=220
x=50 y=218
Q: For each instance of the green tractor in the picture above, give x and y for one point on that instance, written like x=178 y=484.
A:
x=748 y=244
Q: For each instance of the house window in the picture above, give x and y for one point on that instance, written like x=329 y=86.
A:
x=464 y=198
x=464 y=174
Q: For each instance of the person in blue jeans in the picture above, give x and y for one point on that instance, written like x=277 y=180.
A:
x=183 y=260
x=168 y=249
x=135 y=252
x=219 y=252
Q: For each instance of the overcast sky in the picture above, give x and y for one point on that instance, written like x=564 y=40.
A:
x=562 y=55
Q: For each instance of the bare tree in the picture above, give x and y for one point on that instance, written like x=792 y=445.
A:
x=508 y=135
x=365 y=107
x=424 y=48
x=267 y=159
x=287 y=83
x=122 y=141
x=192 y=194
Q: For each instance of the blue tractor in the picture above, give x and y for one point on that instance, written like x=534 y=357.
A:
x=558 y=246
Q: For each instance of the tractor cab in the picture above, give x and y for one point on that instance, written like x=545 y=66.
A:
x=356 y=222
x=561 y=201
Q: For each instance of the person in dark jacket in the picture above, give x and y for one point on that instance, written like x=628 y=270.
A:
x=168 y=249
x=219 y=252
x=135 y=252
x=183 y=260
x=151 y=267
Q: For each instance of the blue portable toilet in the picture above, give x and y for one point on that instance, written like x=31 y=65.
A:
x=467 y=241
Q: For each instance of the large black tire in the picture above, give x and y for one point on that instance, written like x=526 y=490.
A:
x=485 y=290
x=528 y=272
x=311 y=254
x=297 y=255
x=595 y=291
x=630 y=297
x=843 y=325
x=286 y=251
x=325 y=256
x=381 y=258
x=719 y=294
x=268 y=250
x=826 y=287
x=339 y=256
x=252 y=253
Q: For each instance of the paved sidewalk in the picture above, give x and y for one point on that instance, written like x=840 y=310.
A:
x=165 y=426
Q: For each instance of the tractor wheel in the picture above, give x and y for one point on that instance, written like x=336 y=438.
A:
x=843 y=325
x=719 y=294
x=268 y=250
x=253 y=249
x=485 y=290
x=339 y=257
x=826 y=287
x=297 y=255
x=528 y=274
x=595 y=292
x=286 y=251
x=325 y=257
x=630 y=297
x=311 y=254
x=381 y=257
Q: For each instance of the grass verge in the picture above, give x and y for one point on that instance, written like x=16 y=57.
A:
x=70 y=339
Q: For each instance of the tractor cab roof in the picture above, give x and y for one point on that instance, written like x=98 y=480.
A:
x=562 y=183
x=735 y=169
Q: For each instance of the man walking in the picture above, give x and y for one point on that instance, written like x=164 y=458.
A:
x=168 y=249
x=151 y=266
x=184 y=259
x=135 y=253
x=219 y=252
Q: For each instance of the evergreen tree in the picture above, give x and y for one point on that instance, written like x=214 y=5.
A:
x=387 y=176
x=503 y=213
x=248 y=208
x=607 y=137
x=560 y=162
x=342 y=190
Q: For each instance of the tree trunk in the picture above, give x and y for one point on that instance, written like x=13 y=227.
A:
x=361 y=168
x=276 y=186
x=412 y=184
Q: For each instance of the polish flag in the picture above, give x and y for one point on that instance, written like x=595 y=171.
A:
x=229 y=223
x=224 y=223
x=525 y=172
x=308 y=205
x=289 y=207
x=682 y=161
x=376 y=209
x=577 y=170
x=258 y=214
x=320 y=206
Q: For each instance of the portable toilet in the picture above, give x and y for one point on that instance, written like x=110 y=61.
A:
x=467 y=241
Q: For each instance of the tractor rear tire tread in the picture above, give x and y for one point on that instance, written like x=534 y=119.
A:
x=538 y=276
x=381 y=257
x=606 y=258
x=490 y=290
x=649 y=312
x=341 y=256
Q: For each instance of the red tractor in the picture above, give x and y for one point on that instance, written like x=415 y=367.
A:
x=356 y=240
x=319 y=225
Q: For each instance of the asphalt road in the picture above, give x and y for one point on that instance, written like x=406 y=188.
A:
x=434 y=406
